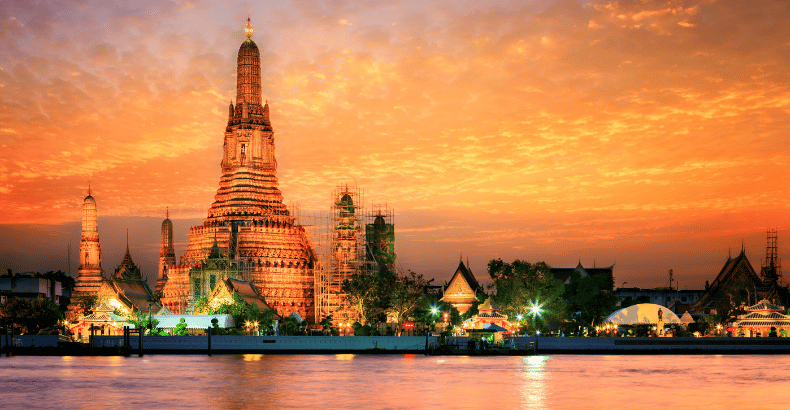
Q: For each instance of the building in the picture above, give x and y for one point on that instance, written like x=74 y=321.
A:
x=737 y=284
x=225 y=291
x=126 y=291
x=679 y=301
x=760 y=320
x=167 y=254
x=461 y=292
x=101 y=321
x=565 y=274
x=55 y=286
x=90 y=275
x=248 y=223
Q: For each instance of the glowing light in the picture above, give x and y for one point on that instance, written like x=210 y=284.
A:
x=248 y=28
x=519 y=317
x=434 y=310
x=536 y=309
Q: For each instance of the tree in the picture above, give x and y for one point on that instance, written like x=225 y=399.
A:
x=181 y=328
x=84 y=303
x=529 y=290
x=590 y=299
x=142 y=321
x=406 y=294
x=243 y=313
x=30 y=316
x=362 y=294
x=292 y=327
x=326 y=324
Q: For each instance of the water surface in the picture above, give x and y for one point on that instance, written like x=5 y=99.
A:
x=397 y=381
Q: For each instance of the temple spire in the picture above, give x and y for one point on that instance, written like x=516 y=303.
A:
x=248 y=28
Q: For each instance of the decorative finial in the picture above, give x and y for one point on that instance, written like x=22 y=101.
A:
x=127 y=240
x=89 y=188
x=167 y=213
x=248 y=28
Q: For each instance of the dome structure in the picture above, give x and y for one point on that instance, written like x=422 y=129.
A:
x=642 y=314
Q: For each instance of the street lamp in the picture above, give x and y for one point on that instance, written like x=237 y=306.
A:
x=536 y=309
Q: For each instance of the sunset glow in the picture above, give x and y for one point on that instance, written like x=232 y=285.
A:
x=650 y=135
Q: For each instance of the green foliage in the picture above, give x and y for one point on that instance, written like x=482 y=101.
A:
x=406 y=295
x=590 y=299
x=481 y=297
x=30 y=316
x=141 y=321
x=202 y=306
x=292 y=327
x=363 y=294
x=84 y=302
x=181 y=328
x=243 y=313
x=326 y=324
x=521 y=285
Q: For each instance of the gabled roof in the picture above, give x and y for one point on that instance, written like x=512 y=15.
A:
x=136 y=293
x=564 y=274
x=488 y=305
x=764 y=305
x=727 y=274
x=462 y=286
x=470 y=278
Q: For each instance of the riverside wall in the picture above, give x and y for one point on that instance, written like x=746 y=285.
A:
x=653 y=345
x=270 y=344
x=52 y=345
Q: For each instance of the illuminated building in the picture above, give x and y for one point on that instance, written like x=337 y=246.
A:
x=462 y=289
x=90 y=275
x=760 y=320
x=167 y=254
x=737 y=278
x=255 y=236
x=125 y=291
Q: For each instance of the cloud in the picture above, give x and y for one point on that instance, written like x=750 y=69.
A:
x=495 y=110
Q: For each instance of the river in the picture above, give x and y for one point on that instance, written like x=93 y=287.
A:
x=397 y=381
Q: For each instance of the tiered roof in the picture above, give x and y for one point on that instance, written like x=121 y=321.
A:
x=763 y=314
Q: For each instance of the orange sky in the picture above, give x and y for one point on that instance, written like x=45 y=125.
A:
x=650 y=135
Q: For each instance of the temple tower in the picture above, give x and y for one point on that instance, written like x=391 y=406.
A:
x=167 y=254
x=251 y=225
x=90 y=274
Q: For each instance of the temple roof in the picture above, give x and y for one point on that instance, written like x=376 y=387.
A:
x=735 y=272
x=488 y=305
x=136 y=293
x=765 y=305
x=564 y=274
x=127 y=269
x=462 y=286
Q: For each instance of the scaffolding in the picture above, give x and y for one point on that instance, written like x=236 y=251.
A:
x=317 y=227
x=346 y=241
x=772 y=266
x=380 y=238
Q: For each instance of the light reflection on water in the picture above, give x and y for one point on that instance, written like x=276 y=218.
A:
x=396 y=381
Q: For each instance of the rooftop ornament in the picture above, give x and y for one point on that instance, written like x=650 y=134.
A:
x=248 y=28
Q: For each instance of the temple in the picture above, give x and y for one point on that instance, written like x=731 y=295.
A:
x=167 y=254
x=251 y=232
x=126 y=291
x=462 y=289
x=90 y=275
